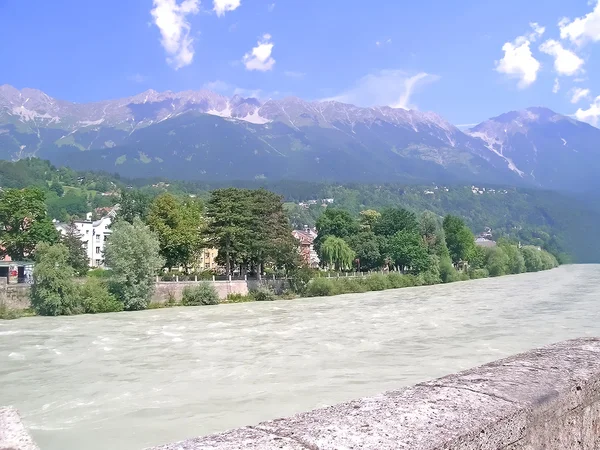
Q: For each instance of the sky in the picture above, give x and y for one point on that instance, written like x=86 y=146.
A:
x=467 y=60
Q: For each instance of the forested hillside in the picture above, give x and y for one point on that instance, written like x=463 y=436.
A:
x=560 y=223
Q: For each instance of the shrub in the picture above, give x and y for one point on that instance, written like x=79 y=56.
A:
x=300 y=278
x=377 y=282
x=203 y=294
x=99 y=273
x=396 y=280
x=448 y=273
x=263 y=294
x=54 y=292
x=497 y=261
x=320 y=287
x=96 y=298
x=476 y=274
x=239 y=298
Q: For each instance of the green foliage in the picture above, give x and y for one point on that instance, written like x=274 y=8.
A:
x=57 y=188
x=516 y=262
x=239 y=298
x=408 y=250
x=366 y=245
x=433 y=273
x=263 y=294
x=377 y=282
x=178 y=225
x=78 y=259
x=95 y=297
x=368 y=219
x=321 y=287
x=202 y=294
x=24 y=223
x=300 y=278
x=496 y=261
x=337 y=253
x=459 y=239
x=448 y=273
x=336 y=223
x=54 y=292
x=250 y=229
x=476 y=274
x=134 y=203
x=100 y=273
x=132 y=253
x=393 y=220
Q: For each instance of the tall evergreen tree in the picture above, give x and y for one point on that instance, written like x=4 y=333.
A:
x=77 y=257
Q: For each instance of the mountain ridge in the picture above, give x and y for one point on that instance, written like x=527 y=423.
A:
x=287 y=137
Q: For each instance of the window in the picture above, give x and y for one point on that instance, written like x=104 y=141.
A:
x=97 y=237
x=207 y=255
x=207 y=265
x=98 y=262
x=87 y=231
x=105 y=237
x=97 y=250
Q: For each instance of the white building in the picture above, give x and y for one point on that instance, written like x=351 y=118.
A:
x=94 y=235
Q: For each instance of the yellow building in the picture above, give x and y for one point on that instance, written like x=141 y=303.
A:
x=207 y=259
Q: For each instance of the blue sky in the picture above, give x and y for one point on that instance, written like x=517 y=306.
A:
x=467 y=60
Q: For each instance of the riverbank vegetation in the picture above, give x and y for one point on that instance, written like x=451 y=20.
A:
x=392 y=247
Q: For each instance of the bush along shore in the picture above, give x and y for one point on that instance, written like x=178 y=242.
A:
x=397 y=247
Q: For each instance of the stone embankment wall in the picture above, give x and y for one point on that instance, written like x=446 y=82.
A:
x=544 y=399
x=14 y=296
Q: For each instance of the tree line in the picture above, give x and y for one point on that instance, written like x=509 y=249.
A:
x=252 y=233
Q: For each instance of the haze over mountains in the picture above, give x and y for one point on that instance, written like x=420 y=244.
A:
x=204 y=135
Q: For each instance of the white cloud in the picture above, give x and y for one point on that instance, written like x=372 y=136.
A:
x=518 y=61
x=590 y=115
x=170 y=18
x=579 y=94
x=565 y=61
x=556 y=86
x=385 y=88
x=293 y=74
x=271 y=7
x=260 y=57
x=582 y=29
x=386 y=42
x=223 y=6
x=218 y=86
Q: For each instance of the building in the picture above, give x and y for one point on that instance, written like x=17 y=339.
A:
x=93 y=234
x=485 y=242
x=207 y=260
x=306 y=239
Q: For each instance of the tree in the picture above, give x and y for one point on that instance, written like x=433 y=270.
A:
x=336 y=252
x=134 y=203
x=230 y=224
x=178 y=225
x=334 y=222
x=77 y=257
x=368 y=219
x=497 y=261
x=516 y=262
x=393 y=220
x=57 y=188
x=459 y=239
x=24 y=223
x=433 y=234
x=366 y=247
x=54 y=291
x=408 y=250
x=132 y=252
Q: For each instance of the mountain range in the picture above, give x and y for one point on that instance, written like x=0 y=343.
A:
x=202 y=135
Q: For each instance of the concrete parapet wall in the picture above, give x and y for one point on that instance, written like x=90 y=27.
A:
x=166 y=290
x=13 y=435
x=15 y=296
x=547 y=398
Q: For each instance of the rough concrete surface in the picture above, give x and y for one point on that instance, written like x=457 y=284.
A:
x=13 y=435
x=547 y=399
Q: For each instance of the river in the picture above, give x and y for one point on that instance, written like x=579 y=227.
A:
x=131 y=380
